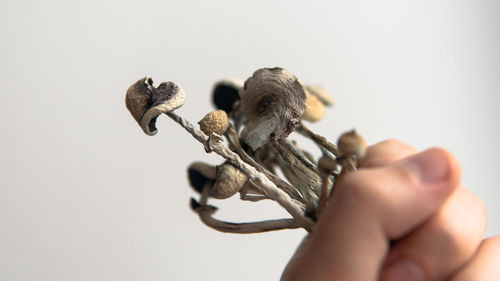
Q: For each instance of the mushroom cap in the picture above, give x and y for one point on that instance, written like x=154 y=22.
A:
x=225 y=94
x=315 y=109
x=199 y=174
x=214 y=122
x=352 y=144
x=272 y=101
x=146 y=102
x=320 y=93
x=327 y=164
x=229 y=181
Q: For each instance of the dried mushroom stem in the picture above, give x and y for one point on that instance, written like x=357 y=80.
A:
x=323 y=196
x=326 y=166
x=234 y=142
x=300 y=156
x=205 y=213
x=348 y=165
x=295 y=208
x=306 y=180
x=319 y=140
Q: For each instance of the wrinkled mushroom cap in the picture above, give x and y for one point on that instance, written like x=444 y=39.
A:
x=146 y=102
x=215 y=122
x=229 y=181
x=272 y=101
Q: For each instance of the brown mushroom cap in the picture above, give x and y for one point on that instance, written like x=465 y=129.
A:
x=352 y=144
x=272 y=101
x=320 y=93
x=146 y=102
x=315 y=109
x=229 y=181
x=215 y=122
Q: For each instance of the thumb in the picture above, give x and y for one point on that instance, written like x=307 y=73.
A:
x=369 y=209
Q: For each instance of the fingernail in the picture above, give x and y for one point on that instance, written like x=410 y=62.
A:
x=403 y=270
x=431 y=166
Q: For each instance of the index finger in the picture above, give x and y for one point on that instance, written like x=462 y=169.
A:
x=385 y=153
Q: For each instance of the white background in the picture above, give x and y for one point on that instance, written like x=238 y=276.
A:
x=85 y=195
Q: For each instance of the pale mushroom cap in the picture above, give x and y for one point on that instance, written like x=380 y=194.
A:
x=272 y=101
x=146 y=102
x=214 y=122
x=315 y=109
x=320 y=93
x=327 y=164
x=229 y=181
x=352 y=144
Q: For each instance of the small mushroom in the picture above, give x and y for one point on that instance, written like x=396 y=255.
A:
x=272 y=103
x=145 y=102
x=225 y=94
x=327 y=165
x=200 y=174
x=352 y=144
x=229 y=181
x=214 y=122
x=320 y=93
x=315 y=109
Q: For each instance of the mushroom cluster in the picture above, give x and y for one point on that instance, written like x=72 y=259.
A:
x=255 y=118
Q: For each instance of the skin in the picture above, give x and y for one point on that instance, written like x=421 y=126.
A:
x=402 y=216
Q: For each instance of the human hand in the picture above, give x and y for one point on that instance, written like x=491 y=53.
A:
x=402 y=216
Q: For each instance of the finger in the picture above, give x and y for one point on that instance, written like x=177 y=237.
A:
x=484 y=265
x=385 y=153
x=442 y=244
x=370 y=208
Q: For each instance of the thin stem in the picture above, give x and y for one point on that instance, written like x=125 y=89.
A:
x=205 y=213
x=303 y=159
x=323 y=196
x=319 y=140
x=289 y=189
x=296 y=209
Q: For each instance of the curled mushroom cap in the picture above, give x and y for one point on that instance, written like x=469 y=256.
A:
x=315 y=109
x=229 y=181
x=272 y=101
x=146 y=102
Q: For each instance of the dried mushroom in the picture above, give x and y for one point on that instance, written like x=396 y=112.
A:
x=145 y=102
x=256 y=118
x=272 y=102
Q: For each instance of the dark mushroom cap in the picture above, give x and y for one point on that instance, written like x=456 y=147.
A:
x=199 y=174
x=226 y=93
x=272 y=101
x=146 y=102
